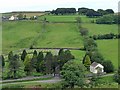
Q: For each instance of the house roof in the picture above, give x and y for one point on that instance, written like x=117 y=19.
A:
x=94 y=64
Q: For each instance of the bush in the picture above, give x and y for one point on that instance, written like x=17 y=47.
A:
x=84 y=31
x=108 y=66
x=117 y=76
x=105 y=36
x=89 y=44
x=109 y=19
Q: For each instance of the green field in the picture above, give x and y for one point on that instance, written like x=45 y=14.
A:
x=19 y=34
x=96 y=29
x=78 y=54
x=107 y=82
x=65 y=18
x=60 y=35
x=109 y=50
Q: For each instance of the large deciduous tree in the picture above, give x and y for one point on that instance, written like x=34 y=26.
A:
x=109 y=11
x=73 y=74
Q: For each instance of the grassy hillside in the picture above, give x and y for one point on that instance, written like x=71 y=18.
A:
x=78 y=55
x=96 y=29
x=109 y=49
x=60 y=35
x=19 y=34
x=65 y=18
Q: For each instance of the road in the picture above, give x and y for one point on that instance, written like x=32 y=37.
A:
x=107 y=75
x=53 y=80
x=29 y=78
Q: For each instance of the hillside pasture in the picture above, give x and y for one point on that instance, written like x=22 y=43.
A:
x=96 y=29
x=78 y=54
x=60 y=35
x=66 y=18
x=109 y=50
x=19 y=34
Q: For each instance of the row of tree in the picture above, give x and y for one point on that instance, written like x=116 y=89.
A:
x=63 y=11
x=45 y=64
x=83 y=31
x=106 y=36
x=84 y=11
x=93 y=55
x=109 y=19
x=14 y=68
x=92 y=12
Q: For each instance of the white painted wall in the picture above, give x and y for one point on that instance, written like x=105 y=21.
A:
x=12 y=18
x=94 y=70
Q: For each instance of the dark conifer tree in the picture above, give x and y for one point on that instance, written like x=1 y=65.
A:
x=24 y=54
x=40 y=62
x=48 y=60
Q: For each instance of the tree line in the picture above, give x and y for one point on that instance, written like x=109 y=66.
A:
x=106 y=36
x=83 y=11
x=92 y=13
x=92 y=53
x=109 y=19
x=25 y=64
x=63 y=11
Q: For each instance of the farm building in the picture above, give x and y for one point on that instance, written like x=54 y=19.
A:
x=96 y=68
x=13 y=18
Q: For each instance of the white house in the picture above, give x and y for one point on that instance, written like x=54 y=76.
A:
x=13 y=18
x=96 y=68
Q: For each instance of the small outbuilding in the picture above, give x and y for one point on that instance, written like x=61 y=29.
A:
x=13 y=18
x=96 y=68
